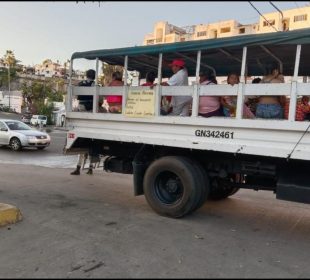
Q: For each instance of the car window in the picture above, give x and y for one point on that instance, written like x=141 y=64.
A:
x=2 y=125
x=42 y=118
x=14 y=125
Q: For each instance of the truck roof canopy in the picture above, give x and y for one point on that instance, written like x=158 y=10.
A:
x=223 y=54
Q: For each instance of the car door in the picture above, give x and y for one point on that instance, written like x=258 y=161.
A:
x=4 y=135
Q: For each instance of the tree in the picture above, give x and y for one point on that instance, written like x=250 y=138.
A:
x=107 y=71
x=9 y=75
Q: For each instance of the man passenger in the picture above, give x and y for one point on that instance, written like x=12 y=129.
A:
x=180 y=104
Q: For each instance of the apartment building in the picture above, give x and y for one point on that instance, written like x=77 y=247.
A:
x=289 y=20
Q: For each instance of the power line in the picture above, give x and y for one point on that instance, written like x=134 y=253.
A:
x=263 y=16
x=277 y=10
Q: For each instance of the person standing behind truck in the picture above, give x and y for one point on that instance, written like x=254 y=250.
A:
x=180 y=104
x=86 y=102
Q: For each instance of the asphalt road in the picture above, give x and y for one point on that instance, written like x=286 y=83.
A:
x=92 y=226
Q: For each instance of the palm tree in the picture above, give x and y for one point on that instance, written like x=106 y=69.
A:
x=9 y=60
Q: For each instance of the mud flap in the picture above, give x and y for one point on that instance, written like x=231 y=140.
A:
x=294 y=183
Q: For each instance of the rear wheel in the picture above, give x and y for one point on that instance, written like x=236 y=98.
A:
x=15 y=144
x=172 y=186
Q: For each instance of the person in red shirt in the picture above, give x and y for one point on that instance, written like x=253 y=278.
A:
x=302 y=109
x=115 y=101
x=150 y=78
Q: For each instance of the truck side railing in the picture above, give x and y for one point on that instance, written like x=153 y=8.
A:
x=293 y=90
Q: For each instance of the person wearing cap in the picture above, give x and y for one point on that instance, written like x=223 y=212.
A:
x=180 y=104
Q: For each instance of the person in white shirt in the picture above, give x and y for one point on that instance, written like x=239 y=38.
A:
x=180 y=104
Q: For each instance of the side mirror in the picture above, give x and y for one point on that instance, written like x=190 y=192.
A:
x=3 y=129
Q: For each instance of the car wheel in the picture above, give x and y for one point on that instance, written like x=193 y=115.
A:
x=15 y=144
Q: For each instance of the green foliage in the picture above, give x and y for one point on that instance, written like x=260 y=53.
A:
x=47 y=110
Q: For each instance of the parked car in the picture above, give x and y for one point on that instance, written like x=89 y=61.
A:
x=26 y=118
x=37 y=119
x=17 y=135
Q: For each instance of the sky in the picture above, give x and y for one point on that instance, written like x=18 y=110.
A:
x=36 y=31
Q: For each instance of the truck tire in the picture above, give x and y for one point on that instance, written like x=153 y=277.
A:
x=172 y=186
x=221 y=189
x=204 y=182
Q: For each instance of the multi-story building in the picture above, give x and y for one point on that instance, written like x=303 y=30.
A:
x=289 y=20
x=48 y=69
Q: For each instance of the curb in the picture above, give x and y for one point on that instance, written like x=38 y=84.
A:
x=9 y=214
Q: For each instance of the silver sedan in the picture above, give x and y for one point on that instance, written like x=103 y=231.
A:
x=17 y=135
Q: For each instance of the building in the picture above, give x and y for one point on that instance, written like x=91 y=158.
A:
x=291 y=20
x=12 y=99
x=49 y=69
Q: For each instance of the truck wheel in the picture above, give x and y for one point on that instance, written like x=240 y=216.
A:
x=221 y=189
x=171 y=186
x=15 y=144
x=204 y=182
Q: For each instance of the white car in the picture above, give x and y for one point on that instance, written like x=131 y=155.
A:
x=37 y=119
x=17 y=135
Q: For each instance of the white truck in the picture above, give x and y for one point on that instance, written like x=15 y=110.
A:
x=179 y=163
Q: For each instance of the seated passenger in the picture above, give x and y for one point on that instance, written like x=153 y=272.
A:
x=209 y=106
x=150 y=78
x=180 y=104
x=302 y=109
x=86 y=101
x=271 y=107
x=115 y=101
x=252 y=101
x=229 y=103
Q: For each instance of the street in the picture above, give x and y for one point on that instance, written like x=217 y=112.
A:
x=93 y=226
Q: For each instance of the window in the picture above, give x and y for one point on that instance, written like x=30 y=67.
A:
x=150 y=42
x=201 y=33
x=300 y=18
x=225 y=29
x=2 y=126
x=269 y=22
x=241 y=30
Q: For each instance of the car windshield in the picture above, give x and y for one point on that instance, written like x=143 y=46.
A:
x=14 y=125
x=42 y=118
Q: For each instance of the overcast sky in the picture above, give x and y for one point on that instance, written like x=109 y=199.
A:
x=39 y=30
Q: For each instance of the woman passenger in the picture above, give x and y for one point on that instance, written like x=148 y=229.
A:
x=115 y=101
x=209 y=106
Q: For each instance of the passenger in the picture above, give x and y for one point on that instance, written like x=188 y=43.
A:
x=150 y=78
x=86 y=101
x=271 y=107
x=115 y=101
x=253 y=100
x=229 y=103
x=180 y=104
x=209 y=106
x=302 y=109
